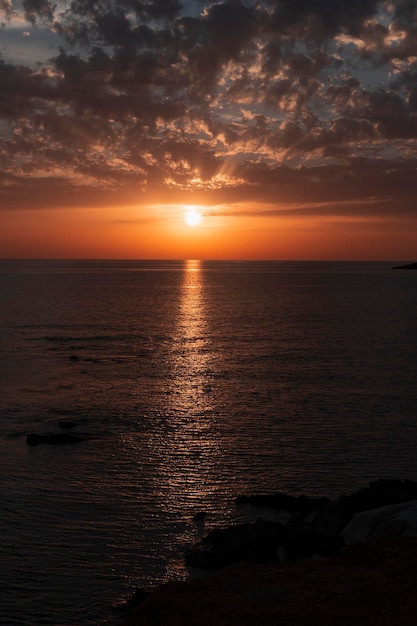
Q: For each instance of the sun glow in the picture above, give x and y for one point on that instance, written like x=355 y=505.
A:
x=192 y=216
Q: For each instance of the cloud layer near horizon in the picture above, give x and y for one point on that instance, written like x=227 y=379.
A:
x=287 y=102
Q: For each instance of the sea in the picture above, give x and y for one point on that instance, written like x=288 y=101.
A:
x=192 y=382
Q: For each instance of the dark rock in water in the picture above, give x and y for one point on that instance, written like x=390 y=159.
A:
x=317 y=526
x=199 y=517
x=67 y=424
x=283 y=501
x=379 y=493
x=74 y=357
x=255 y=542
x=54 y=439
x=410 y=266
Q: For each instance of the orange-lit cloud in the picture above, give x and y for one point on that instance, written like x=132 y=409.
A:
x=297 y=113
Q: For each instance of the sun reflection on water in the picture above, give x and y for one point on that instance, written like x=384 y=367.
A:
x=191 y=354
x=187 y=448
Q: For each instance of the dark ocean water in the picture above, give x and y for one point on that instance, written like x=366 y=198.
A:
x=198 y=381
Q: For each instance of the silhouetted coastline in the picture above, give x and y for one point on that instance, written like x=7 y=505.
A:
x=268 y=572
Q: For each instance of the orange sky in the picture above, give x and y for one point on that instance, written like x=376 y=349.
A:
x=291 y=127
x=104 y=233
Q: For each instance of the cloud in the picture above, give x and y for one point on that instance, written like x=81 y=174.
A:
x=38 y=9
x=6 y=8
x=279 y=100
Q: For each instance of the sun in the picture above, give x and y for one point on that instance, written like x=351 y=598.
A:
x=192 y=216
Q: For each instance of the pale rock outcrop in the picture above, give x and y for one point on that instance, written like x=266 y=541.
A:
x=392 y=520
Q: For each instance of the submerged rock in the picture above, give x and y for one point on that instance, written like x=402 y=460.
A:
x=53 y=439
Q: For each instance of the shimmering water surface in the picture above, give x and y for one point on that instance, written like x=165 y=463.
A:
x=197 y=381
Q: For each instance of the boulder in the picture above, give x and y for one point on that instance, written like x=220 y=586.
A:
x=284 y=501
x=301 y=544
x=328 y=520
x=392 y=520
x=254 y=542
x=327 y=524
x=319 y=535
x=315 y=526
x=382 y=492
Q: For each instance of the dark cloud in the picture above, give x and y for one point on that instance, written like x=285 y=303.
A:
x=21 y=91
x=406 y=12
x=393 y=116
x=262 y=98
x=321 y=19
x=38 y=9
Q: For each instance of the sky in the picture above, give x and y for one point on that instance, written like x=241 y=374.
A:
x=290 y=126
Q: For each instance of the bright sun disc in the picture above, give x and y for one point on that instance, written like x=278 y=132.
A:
x=193 y=217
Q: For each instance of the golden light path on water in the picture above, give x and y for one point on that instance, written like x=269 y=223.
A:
x=192 y=338
x=191 y=448
x=187 y=450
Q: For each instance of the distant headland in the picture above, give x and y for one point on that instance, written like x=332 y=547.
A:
x=410 y=266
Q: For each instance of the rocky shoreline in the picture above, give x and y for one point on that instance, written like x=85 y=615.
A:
x=309 y=526
x=321 y=555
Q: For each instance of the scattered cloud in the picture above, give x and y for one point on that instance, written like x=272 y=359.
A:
x=272 y=100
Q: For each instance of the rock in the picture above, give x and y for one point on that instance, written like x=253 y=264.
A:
x=364 y=585
x=255 y=542
x=410 y=266
x=314 y=528
x=306 y=534
x=74 y=357
x=54 y=439
x=294 y=504
x=379 y=493
x=393 y=520
x=309 y=536
x=328 y=520
x=301 y=544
